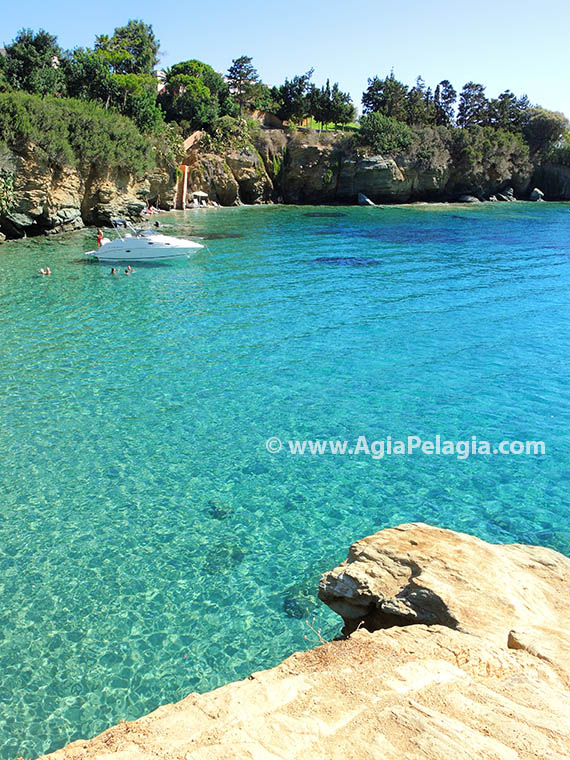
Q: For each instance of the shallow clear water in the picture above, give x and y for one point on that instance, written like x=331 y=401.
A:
x=149 y=544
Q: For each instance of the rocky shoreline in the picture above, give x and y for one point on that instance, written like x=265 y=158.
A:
x=275 y=167
x=314 y=168
x=49 y=200
x=454 y=647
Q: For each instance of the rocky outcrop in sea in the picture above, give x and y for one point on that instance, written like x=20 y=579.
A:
x=454 y=647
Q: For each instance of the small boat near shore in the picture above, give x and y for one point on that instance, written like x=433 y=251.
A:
x=141 y=245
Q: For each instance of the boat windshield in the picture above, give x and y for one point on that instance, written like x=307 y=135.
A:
x=119 y=224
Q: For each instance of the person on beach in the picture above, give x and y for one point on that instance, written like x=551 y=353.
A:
x=99 y=237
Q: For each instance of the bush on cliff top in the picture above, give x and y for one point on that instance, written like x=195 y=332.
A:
x=228 y=134
x=73 y=132
x=384 y=134
x=484 y=154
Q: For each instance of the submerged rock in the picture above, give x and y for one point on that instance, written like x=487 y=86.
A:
x=347 y=261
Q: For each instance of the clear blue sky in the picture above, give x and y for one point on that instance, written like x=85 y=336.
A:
x=515 y=44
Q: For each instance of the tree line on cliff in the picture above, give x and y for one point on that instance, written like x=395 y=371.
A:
x=420 y=106
x=117 y=76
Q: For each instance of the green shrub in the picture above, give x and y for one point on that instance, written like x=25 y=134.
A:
x=384 y=134
x=485 y=153
x=228 y=134
x=560 y=154
x=74 y=132
x=6 y=190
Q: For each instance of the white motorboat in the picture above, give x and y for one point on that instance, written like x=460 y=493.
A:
x=141 y=245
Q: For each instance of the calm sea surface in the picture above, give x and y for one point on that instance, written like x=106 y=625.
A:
x=149 y=544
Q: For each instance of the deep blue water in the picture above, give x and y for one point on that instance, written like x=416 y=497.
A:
x=149 y=544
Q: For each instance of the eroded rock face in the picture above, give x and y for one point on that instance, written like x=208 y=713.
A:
x=249 y=172
x=419 y=574
x=44 y=198
x=162 y=185
x=211 y=174
x=327 y=168
x=492 y=683
x=311 y=171
x=51 y=199
x=271 y=145
x=419 y=693
x=111 y=194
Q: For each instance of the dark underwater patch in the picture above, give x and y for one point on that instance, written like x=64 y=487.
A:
x=220 y=235
x=347 y=261
x=218 y=510
x=324 y=214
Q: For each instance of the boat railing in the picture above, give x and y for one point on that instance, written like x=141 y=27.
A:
x=119 y=224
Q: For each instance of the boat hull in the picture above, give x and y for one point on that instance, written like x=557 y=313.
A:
x=144 y=248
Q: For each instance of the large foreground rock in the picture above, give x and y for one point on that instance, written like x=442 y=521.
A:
x=419 y=574
x=401 y=693
x=491 y=683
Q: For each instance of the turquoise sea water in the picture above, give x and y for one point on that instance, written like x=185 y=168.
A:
x=149 y=544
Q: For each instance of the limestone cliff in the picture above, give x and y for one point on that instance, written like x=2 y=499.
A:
x=310 y=167
x=465 y=654
x=241 y=175
x=49 y=199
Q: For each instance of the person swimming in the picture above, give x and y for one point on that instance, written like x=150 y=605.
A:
x=114 y=270
x=46 y=271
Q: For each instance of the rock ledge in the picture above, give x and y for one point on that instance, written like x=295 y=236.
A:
x=488 y=678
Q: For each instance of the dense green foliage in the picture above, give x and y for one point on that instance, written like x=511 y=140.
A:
x=293 y=97
x=560 y=153
x=543 y=129
x=228 y=133
x=6 y=190
x=244 y=80
x=384 y=134
x=418 y=106
x=386 y=97
x=195 y=96
x=330 y=105
x=33 y=63
x=72 y=132
x=80 y=95
x=132 y=49
x=486 y=152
